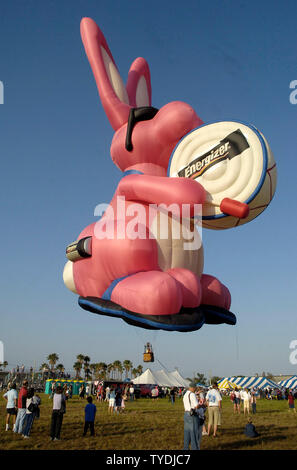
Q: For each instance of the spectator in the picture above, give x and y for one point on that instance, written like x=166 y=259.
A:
x=82 y=391
x=154 y=393
x=172 y=395
x=232 y=396
x=250 y=430
x=131 y=392
x=237 y=401
x=112 y=396
x=53 y=387
x=32 y=411
x=11 y=407
x=90 y=414
x=254 y=402
x=21 y=408
x=118 y=401
x=123 y=403
x=201 y=416
x=191 y=419
x=59 y=409
x=65 y=391
x=214 y=403
x=246 y=401
x=107 y=393
x=291 y=401
x=88 y=390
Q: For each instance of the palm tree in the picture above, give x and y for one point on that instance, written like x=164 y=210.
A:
x=127 y=366
x=139 y=369
x=44 y=367
x=118 y=366
x=134 y=372
x=53 y=358
x=77 y=366
x=94 y=368
x=102 y=369
x=87 y=366
x=120 y=371
x=80 y=358
x=60 y=368
x=110 y=370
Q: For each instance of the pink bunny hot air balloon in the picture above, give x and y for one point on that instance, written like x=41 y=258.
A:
x=148 y=280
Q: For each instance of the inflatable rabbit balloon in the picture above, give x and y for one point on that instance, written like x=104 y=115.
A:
x=143 y=260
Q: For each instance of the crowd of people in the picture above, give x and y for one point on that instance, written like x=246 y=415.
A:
x=197 y=402
x=23 y=407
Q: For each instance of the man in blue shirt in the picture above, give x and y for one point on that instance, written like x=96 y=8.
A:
x=90 y=413
x=250 y=430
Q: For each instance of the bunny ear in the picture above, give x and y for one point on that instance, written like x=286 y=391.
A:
x=111 y=88
x=139 y=84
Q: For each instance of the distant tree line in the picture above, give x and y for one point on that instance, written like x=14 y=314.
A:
x=83 y=368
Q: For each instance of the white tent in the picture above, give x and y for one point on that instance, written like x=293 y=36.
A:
x=146 y=378
x=161 y=378
x=180 y=379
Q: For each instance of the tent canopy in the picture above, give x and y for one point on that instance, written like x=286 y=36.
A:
x=251 y=382
x=227 y=385
x=289 y=383
x=161 y=378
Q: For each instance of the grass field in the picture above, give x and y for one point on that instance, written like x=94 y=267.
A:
x=158 y=425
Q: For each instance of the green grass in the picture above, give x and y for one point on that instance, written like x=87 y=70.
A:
x=153 y=425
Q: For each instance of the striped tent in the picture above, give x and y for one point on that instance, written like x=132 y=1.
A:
x=251 y=382
x=289 y=383
x=226 y=384
x=233 y=380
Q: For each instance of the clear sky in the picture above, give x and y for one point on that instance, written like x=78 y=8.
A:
x=229 y=60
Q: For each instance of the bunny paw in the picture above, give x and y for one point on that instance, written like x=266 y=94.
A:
x=158 y=300
x=214 y=292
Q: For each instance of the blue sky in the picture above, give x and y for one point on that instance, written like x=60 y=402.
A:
x=229 y=60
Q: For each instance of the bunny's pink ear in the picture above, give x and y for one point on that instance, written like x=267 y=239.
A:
x=112 y=91
x=139 y=84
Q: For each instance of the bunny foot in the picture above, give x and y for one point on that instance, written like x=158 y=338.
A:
x=190 y=285
x=151 y=293
x=214 y=292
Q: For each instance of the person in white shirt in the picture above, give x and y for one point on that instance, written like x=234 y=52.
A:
x=191 y=419
x=214 y=404
x=11 y=408
x=59 y=408
x=131 y=392
x=246 y=397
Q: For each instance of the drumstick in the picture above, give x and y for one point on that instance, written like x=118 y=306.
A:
x=232 y=207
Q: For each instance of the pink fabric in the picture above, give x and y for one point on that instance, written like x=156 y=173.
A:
x=159 y=190
x=151 y=293
x=214 y=292
x=154 y=140
x=147 y=289
x=138 y=69
x=191 y=286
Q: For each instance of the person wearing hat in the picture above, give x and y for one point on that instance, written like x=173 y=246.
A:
x=191 y=419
